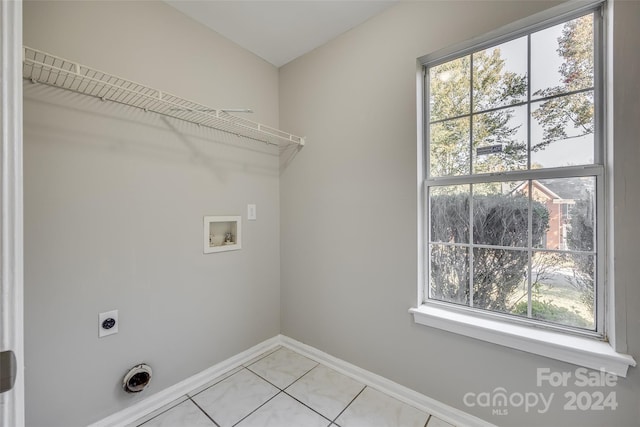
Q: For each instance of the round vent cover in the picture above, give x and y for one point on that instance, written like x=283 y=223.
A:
x=137 y=379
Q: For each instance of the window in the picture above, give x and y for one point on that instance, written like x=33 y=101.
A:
x=513 y=179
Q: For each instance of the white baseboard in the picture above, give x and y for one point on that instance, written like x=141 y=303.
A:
x=170 y=394
x=410 y=397
x=417 y=400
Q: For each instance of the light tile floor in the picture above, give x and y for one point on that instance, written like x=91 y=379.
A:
x=281 y=388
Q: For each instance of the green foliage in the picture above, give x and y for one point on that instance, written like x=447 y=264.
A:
x=498 y=220
x=580 y=238
x=450 y=89
x=576 y=111
x=451 y=97
x=492 y=85
x=561 y=117
x=499 y=217
x=545 y=310
x=576 y=47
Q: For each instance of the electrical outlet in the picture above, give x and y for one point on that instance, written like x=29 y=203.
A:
x=107 y=323
x=251 y=212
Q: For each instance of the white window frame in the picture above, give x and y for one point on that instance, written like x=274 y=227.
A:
x=592 y=350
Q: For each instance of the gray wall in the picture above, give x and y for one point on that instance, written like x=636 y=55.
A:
x=114 y=200
x=348 y=211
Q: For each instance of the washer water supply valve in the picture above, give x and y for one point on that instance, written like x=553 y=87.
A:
x=137 y=379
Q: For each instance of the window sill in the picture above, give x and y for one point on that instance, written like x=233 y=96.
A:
x=580 y=351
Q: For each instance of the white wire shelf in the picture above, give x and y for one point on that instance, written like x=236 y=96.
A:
x=42 y=67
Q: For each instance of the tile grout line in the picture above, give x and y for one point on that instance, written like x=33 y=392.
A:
x=164 y=411
x=239 y=368
x=260 y=357
x=225 y=377
x=204 y=412
x=289 y=385
x=303 y=375
x=332 y=422
x=249 y=414
x=348 y=404
x=319 y=361
x=217 y=380
x=307 y=406
x=298 y=379
x=264 y=379
x=428 y=419
x=412 y=398
x=282 y=390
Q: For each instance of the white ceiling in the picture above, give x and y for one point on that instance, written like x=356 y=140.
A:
x=280 y=31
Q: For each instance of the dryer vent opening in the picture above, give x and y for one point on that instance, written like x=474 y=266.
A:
x=137 y=379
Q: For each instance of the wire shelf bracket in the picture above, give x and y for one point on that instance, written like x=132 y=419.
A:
x=43 y=67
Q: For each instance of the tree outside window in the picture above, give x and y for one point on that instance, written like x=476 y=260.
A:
x=512 y=214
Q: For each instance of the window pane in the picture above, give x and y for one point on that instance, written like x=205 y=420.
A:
x=562 y=131
x=449 y=213
x=528 y=247
x=543 y=214
x=500 y=75
x=562 y=58
x=499 y=278
x=449 y=274
x=449 y=89
x=500 y=140
x=449 y=148
x=571 y=210
x=562 y=289
x=500 y=215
